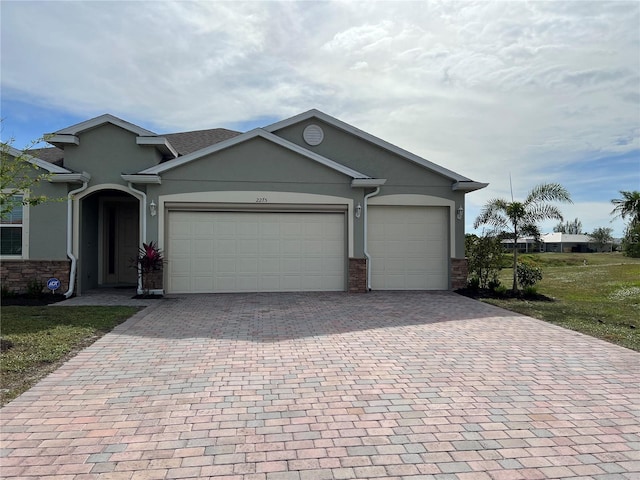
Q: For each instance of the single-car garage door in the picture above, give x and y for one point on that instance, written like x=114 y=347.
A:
x=408 y=246
x=255 y=252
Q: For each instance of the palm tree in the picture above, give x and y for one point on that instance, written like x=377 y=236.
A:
x=627 y=206
x=512 y=219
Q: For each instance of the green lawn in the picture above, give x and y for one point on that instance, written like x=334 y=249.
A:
x=600 y=298
x=44 y=337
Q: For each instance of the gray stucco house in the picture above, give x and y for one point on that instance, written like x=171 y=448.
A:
x=305 y=204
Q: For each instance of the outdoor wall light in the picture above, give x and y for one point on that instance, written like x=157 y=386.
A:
x=358 y=210
x=153 y=208
x=459 y=213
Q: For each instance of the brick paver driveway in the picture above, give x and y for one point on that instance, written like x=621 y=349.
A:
x=331 y=386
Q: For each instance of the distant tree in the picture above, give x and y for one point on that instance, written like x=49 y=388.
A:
x=631 y=241
x=601 y=236
x=512 y=219
x=629 y=207
x=573 y=227
x=18 y=175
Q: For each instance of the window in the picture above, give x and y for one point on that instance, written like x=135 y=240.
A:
x=12 y=232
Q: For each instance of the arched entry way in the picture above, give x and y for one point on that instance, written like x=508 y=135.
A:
x=109 y=238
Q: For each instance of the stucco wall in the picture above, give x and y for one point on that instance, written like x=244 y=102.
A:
x=106 y=152
x=403 y=176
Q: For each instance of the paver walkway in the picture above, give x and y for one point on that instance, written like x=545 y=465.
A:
x=331 y=386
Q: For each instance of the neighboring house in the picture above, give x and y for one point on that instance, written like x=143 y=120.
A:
x=567 y=243
x=557 y=242
x=309 y=203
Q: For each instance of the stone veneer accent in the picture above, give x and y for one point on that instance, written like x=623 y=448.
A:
x=15 y=275
x=357 y=275
x=459 y=273
x=153 y=280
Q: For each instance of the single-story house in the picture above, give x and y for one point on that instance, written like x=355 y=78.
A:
x=567 y=243
x=558 y=242
x=306 y=204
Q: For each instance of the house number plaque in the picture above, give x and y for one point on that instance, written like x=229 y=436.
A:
x=261 y=200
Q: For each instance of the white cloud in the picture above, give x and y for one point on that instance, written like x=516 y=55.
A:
x=482 y=88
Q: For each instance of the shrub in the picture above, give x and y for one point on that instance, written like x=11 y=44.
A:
x=6 y=292
x=474 y=283
x=494 y=284
x=501 y=290
x=34 y=287
x=484 y=256
x=528 y=275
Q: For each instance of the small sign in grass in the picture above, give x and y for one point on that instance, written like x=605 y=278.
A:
x=37 y=340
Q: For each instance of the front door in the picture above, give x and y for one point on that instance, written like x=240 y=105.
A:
x=121 y=237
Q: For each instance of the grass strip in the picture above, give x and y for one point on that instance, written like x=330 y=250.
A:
x=42 y=338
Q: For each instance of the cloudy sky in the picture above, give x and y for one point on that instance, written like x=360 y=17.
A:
x=535 y=91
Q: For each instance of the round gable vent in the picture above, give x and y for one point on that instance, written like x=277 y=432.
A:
x=313 y=135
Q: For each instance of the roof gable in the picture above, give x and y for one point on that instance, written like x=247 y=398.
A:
x=261 y=133
x=100 y=120
x=462 y=182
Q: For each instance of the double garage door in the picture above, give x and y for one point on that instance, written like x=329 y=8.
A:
x=255 y=252
x=286 y=251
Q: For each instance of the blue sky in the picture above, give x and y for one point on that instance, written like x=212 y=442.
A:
x=535 y=91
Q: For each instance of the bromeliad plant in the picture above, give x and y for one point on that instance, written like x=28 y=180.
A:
x=150 y=259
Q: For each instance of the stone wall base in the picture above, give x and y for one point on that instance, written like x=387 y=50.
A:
x=15 y=275
x=459 y=273
x=357 y=275
x=153 y=280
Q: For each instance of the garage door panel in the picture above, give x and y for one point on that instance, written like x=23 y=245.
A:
x=408 y=246
x=247 y=251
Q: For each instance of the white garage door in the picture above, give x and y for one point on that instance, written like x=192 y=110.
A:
x=255 y=252
x=408 y=247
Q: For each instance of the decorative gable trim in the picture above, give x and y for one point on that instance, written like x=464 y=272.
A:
x=256 y=133
x=102 y=119
x=69 y=135
x=313 y=113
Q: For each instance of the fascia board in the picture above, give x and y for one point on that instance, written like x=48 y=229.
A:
x=49 y=167
x=70 y=178
x=136 y=178
x=369 y=138
x=106 y=118
x=258 y=132
x=468 y=186
x=62 y=139
x=161 y=143
x=368 y=182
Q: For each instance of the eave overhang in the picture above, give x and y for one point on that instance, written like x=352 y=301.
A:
x=142 y=178
x=161 y=143
x=469 y=186
x=62 y=139
x=70 y=178
x=367 y=182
